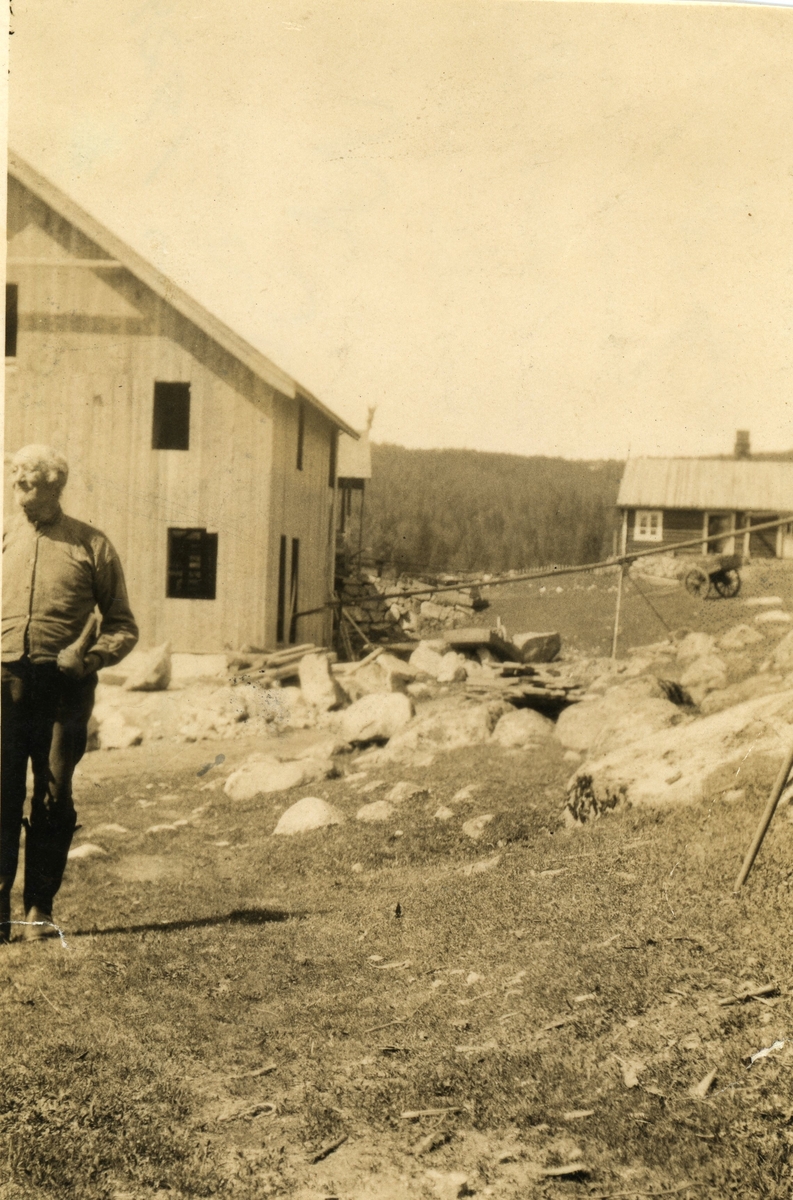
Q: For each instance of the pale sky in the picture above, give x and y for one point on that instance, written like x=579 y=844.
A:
x=540 y=228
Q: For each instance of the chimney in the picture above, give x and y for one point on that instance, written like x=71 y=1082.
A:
x=742 y=447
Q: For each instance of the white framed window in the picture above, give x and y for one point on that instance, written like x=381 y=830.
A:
x=648 y=525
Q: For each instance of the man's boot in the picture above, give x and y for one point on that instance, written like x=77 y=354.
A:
x=6 y=882
x=47 y=843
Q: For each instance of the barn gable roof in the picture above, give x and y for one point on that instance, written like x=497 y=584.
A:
x=707 y=484
x=148 y=274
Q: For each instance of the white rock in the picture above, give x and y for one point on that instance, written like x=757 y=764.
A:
x=775 y=617
x=152 y=671
x=452 y=668
x=465 y=793
x=426 y=660
x=481 y=866
x=376 y=718
x=264 y=775
x=115 y=734
x=695 y=645
x=443 y=813
x=782 y=657
x=450 y=725
x=618 y=718
x=759 y=601
x=378 y=810
x=734 y=795
x=521 y=727
x=111 y=828
x=407 y=791
x=449 y=1185
x=87 y=850
x=704 y=675
x=673 y=766
x=317 y=684
x=294 y=711
x=308 y=813
x=419 y=691
x=537 y=647
x=476 y=826
x=739 y=637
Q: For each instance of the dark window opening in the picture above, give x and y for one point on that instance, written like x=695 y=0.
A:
x=334 y=448
x=301 y=433
x=12 y=319
x=281 y=616
x=171 y=426
x=192 y=564
x=293 y=582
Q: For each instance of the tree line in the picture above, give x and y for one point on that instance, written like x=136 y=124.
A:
x=467 y=510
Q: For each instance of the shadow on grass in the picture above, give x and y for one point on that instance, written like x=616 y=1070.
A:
x=239 y=916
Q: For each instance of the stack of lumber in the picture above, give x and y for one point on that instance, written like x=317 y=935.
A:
x=278 y=666
x=521 y=683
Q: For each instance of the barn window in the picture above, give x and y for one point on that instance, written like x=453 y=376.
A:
x=192 y=564
x=649 y=525
x=12 y=319
x=301 y=433
x=171 y=425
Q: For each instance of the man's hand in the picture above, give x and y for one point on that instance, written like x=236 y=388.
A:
x=72 y=663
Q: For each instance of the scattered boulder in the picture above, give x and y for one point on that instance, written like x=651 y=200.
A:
x=317 y=684
x=307 y=814
x=376 y=718
x=426 y=660
x=476 y=826
x=293 y=710
x=419 y=691
x=775 y=617
x=704 y=675
x=452 y=668
x=537 y=647
x=407 y=791
x=151 y=671
x=108 y=730
x=738 y=693
x=782 y=658
x=739 y=637
x=521 y=727
x=695 y=645
x=443 y=813
x=447 y=726
x=764 y=601
x=620 y=717
x=263 y=774
x=378 y=810
x=672 y=766
x=87 y=850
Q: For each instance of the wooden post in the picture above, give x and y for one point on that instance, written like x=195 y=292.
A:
x=617 y=612
x=762 y=829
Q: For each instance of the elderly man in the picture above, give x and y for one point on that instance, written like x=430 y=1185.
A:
x=56 y=572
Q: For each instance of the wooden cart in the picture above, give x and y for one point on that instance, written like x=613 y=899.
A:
x=720 y=573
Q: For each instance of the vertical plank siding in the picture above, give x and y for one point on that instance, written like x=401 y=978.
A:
x=91 y=345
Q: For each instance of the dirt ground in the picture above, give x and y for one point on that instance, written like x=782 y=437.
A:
x=233 y=1013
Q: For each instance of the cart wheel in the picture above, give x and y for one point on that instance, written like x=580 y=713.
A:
x=697 y=583
x=728 y=583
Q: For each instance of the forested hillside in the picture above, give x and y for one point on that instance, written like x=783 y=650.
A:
x=467 y=510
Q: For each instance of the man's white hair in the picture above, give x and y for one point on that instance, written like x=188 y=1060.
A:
x=47 y=463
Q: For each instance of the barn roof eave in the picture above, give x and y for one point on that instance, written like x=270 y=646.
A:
x=162 y=286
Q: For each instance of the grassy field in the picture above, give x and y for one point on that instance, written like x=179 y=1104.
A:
x=582 y=607
x=226 y=1005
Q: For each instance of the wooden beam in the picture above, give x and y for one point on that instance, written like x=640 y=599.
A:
x=104 y=264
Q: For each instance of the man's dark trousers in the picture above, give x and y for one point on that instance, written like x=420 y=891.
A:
x=45 y=719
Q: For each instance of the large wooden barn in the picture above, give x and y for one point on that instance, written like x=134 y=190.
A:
x=664 y=501
x=211 y=470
